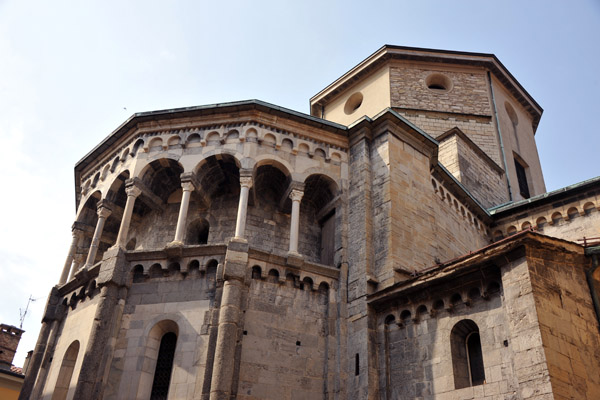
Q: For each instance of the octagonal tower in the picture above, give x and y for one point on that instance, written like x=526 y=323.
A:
x=483 y=119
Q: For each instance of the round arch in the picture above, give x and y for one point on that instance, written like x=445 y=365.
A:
x=215 y=153
x=144 y=168
x=301 y=177
x=269 y=159
x=91 y=200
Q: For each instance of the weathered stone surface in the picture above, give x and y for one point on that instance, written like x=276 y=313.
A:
x=396 y=289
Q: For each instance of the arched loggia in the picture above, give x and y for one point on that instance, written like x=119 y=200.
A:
x=157 y=208
x=86 y=223
x=318 y=213
x=115 y=199
x=217 y=180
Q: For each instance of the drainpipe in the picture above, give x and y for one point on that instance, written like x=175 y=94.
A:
x=589 y=274
x=510 y=198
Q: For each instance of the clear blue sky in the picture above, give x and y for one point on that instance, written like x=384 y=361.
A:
x=71 y=72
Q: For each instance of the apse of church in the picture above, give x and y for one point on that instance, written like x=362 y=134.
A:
x=396 y=243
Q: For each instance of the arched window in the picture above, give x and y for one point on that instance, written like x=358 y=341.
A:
x=467 y=357
x=63 y=382
x=198 y=232
x=164 y=366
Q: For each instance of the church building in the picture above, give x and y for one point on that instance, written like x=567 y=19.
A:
x=396 y=243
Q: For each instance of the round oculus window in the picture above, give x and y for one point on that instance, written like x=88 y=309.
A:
x=438 y=82
x=353 y=103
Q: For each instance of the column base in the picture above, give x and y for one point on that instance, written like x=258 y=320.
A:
x=238 y=239
x=175 y=243
x=82 y=274
x=295 y=259
x=174 y=249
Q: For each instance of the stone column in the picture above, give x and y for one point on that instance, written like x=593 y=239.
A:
x=132 y=193
x=230 y=321
x=296 y=196
x=240 y=224
x=188 y=188
x=69 y=261
x=103 y=213
x=99 y=351
x=78 y=260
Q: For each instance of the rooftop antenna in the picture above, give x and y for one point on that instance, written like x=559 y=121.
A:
x=24 y=313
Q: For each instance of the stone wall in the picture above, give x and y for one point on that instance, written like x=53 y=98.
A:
x=415 y=333
x=183 y=302
x=567 y=322
x=524 y=337
x=571 y=218
x=468 y=93
x=534 y=315
x=76 y=326
x=476 y=171
x=479 y=129
x=267 y=227
x=418 y=228
x=285 y=347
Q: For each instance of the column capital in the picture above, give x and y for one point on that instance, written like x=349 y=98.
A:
x=188 y=186
x=132 y=190
x=77 y=227
x=246 y=181
x=103 y=210
x=296 y=194
x=246 y=177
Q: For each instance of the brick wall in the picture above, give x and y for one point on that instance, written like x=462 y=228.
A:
x=469 y=94
x=9 y=340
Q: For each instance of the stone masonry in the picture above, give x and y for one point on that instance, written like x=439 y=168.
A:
x=246 y=251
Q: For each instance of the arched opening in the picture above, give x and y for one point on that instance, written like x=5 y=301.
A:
x=318 y=206
x=198 y=232
x=572 y=213
x=157 y=362
x=219 y=176
x=162 y=177
x=557 y=218
x=588 y=208
x=219 y=180
x=405 y=316
x=87 y=218
x=116 y=198
x=307 y=283
x=540 y=223
x=256 y=272
x=467 y=356
x=63 y=382
x=514 y=121
x=158 y=205
x=138 y=274
x=164 y=367
x=271 y=183
x=211 y=274
x=136 y=147
x=273 y=276
x=194 y=267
